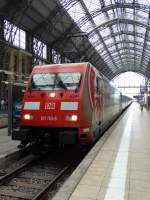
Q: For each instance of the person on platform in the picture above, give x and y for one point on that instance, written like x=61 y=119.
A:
x=141 y=105
x=2 y=105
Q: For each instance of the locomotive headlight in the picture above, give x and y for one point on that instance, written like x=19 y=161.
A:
x=28 y=117
x=73 y=118
x=52 y=94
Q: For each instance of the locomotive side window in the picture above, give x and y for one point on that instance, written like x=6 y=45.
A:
x=56 y=81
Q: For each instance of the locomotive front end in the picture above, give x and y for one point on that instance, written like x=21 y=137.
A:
x=51 y=106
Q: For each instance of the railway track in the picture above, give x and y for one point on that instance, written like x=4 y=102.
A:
x=33 y=180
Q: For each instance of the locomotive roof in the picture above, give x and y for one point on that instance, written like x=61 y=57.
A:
x=69 y=65
x=61 y=65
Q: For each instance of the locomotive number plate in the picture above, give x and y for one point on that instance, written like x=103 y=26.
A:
x=48 y=118
x=50 y=106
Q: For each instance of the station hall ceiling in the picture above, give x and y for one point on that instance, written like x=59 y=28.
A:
x=114 y=35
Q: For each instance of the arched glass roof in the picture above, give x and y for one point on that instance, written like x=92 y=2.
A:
x=118 y=29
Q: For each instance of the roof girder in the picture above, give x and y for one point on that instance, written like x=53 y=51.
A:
x=99 y=35
x=117 y=21
x=97 y=12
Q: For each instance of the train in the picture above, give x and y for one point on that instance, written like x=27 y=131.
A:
x=69 y=103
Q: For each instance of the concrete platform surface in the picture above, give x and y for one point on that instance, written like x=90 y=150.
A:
x=3 y=120
x=121 y=167
x=7 y=145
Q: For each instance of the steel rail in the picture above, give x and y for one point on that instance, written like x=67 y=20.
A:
x=6 y=178
x=52 y=182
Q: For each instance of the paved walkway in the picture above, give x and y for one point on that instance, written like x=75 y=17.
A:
x=7 y=145
x=3 y=120
x=121 y=170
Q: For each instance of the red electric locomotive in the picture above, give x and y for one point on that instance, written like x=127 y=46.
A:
x=67 y=104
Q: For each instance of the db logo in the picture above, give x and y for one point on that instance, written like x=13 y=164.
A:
x=49 y=106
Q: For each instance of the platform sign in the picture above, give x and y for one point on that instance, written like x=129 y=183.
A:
x=147 y=92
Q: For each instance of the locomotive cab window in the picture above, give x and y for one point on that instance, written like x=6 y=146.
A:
x=56 y=81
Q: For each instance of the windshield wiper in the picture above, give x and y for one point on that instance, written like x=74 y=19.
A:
x=61 y=84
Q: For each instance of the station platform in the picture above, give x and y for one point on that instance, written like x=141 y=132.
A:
x=120 y=170
x=7 y=145
x=3 y=120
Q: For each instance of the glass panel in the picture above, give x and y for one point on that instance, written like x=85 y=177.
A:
x=146 y=2
x=120 y=45
x=139 y=47
x=107 y=2
x=112 y=48
x=94 y=38
x=121 y=51
x=130 y=27
x=109 y=41
x=141 y=40
x=131 y=37
x=92 y=4
x=14 y=35
x=56 y=81
x=76 y=12
x=117 y=38
x=131 y=45
x=56 y=57
x=22 y=39
x=129 y=1
x=128 y=13
x=110 y=13
x=87 y=27
x=99 y=47
x=39 y=48
x=100 y=19
x=141 y=29
x=115 y=28
x=105 y=32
